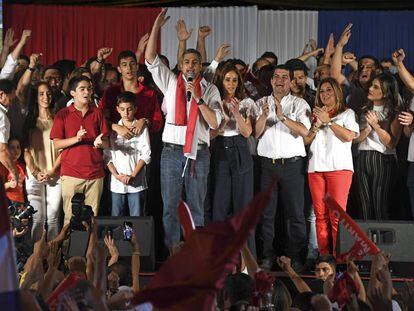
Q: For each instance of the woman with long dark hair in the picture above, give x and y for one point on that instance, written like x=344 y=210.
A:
x=380 y=134
x=330 y=167
x=232 y=166
x=42 y=161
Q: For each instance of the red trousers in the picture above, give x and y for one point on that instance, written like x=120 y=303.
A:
x=337 y=184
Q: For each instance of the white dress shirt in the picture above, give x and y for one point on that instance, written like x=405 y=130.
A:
x=166 y=81
x=7 y=72
x=328 y=153
x=277 y=141
x=125 y=155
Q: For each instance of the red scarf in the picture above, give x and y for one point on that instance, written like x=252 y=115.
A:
x=181 y=110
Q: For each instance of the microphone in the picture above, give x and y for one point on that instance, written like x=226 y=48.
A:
x=190 y=78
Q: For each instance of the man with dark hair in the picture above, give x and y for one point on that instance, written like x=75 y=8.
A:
x=7 y=93
x=299 y=86
x=283 y=120
x=54 y=77
x=325 y=265
x=355 y=93
x=271 y=57
x=81 y=131
x=193 y=108
x=149 y=112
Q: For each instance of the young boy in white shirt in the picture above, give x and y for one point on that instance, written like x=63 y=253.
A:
x=126 y=160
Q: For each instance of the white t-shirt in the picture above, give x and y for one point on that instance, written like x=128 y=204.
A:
x=125 y=155
x=373 y=142
x=277 y=141
x=327 y=152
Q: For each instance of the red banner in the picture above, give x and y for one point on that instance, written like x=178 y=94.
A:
x=363 y=245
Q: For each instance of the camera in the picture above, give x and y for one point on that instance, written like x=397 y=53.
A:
x=22 y=217
x=80 y=212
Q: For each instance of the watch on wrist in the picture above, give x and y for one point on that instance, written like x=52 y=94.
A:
x=200 y=102
x=329 y=123
x=283 y=119
x=32 y=69
x=100 y=61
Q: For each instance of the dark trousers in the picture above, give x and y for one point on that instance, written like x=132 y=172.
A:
x=410 y=186
x=376 y=177
x=232 y=181
x=290 y=186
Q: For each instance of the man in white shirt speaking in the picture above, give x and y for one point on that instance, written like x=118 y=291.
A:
x=193 y=108
x=283 y=120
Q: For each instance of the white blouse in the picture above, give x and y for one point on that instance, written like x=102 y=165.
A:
x=327 y=152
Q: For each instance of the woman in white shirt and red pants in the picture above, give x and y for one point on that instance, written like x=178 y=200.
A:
x=330 y=159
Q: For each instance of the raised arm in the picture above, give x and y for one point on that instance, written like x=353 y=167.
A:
x=183 y=35
x=9 y=41
x=336 y=64
x=101 y=56
x=203 y=32
x=329 y=50
x=19 y=47
x=7 y=72
x=24 y=81
x=141 y=46
x=151 y=50
x=285 y=264
x=398 y=57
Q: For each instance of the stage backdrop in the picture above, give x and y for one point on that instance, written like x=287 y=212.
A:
x=378 y=33
x=74 y=32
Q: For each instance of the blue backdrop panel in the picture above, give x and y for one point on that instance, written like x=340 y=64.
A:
x=378 y=33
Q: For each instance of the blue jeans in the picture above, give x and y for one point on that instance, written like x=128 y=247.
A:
x=118 y=203
x=195 y=184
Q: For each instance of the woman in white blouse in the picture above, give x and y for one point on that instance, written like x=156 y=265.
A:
x=377 y=160
x=232 y=166
x=330 y=159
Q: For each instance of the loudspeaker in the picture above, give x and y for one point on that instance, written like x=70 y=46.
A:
x=144 y=230
x=394 y=237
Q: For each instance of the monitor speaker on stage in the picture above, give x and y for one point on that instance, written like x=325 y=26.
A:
x=144 y=230
x=394 y=237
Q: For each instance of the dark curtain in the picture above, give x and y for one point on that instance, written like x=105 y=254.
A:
x=378 y=33
x=74 y=32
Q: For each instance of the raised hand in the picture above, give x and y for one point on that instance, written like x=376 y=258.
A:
x=103 y=53
x=330 y=46
x=203 y=32
x=346 y=34
x=234 y=105
x=110 y=244
x=34 y=60
x=182 y=33
x=372 y=118
x=284 y=263
x=222 y=52
x=194 y=93
x=265 y=108
x=161 y=19
x=25 y=35
x=9 y=38
x=142 y=43
x=322 y=114
x=348 y=57
x=313 y=44
x=398 y=56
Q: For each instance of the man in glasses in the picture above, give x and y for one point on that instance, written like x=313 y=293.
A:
x=54 y=78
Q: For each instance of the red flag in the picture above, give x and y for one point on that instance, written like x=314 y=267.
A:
x=189 y=279
x=342 y=290
x=9 y=290
x=363 y=245
x=186 y=220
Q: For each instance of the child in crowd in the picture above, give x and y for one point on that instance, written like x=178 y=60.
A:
x=15 y=190
x=126 y=160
